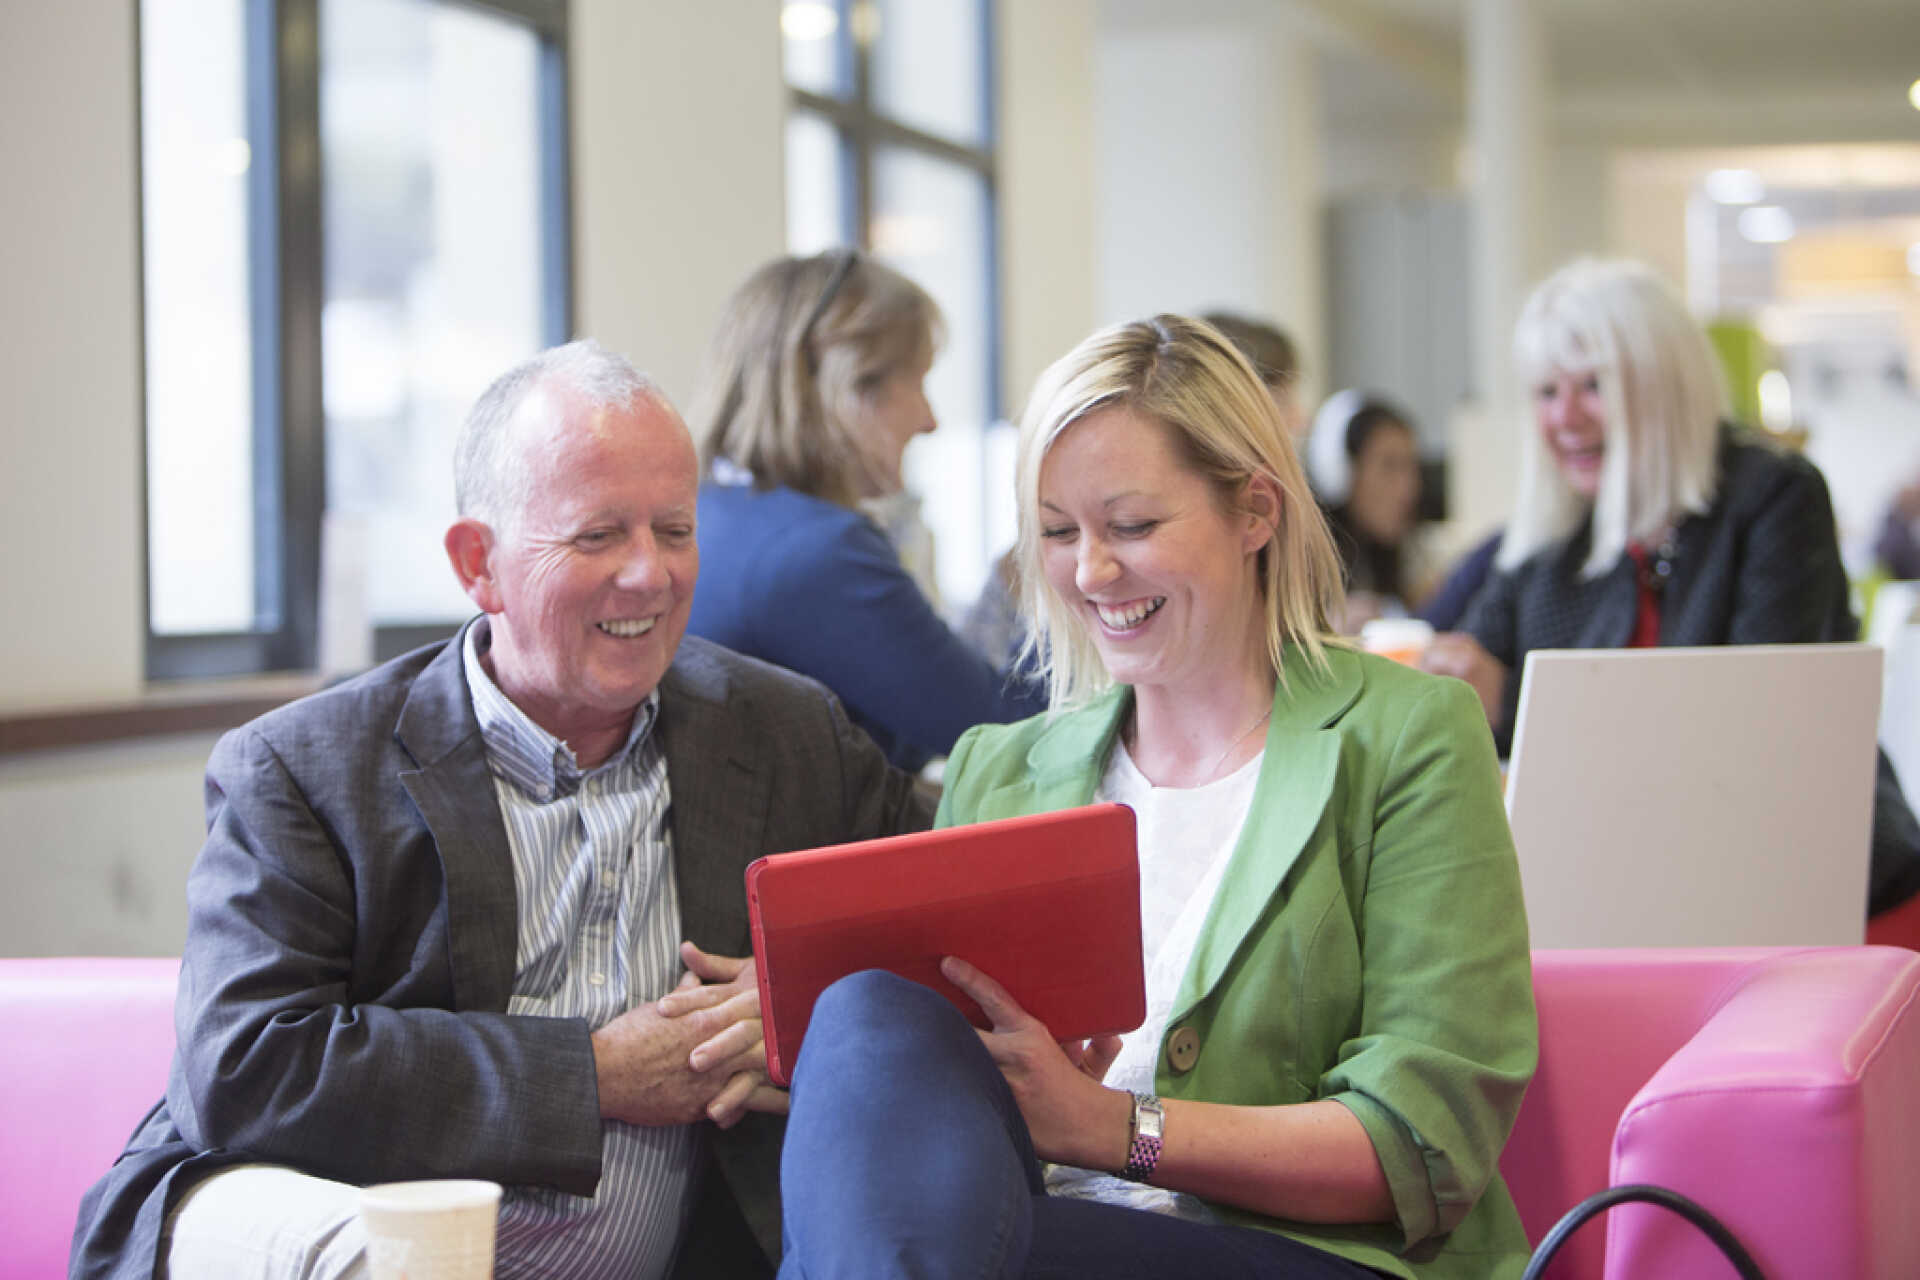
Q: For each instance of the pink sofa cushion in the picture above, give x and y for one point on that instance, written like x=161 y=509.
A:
x=88 y=1042
x=1793 y=1116
x=1772 y=1085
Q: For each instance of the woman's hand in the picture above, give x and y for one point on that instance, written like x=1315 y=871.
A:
x=739 y=1049
x=1458 y=654
x=1071 y=1116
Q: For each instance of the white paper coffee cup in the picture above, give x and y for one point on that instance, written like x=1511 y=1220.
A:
x=435 y=1230
x=1402 y=639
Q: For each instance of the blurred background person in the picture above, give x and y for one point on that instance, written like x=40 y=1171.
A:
x=1275 y=358
x=1645 y=518
x=1364 y=463
x=1896 y=551
x=814 y=387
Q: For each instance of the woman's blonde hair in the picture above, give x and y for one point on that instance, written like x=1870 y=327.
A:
x=1185 y=375
x=1664 y=394
x=800 y=344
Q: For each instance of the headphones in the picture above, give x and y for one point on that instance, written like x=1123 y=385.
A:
x=1329 y=466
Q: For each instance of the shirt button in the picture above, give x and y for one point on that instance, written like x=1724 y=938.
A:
x=1183 y=1049
x=597 y=979
x=607 y=879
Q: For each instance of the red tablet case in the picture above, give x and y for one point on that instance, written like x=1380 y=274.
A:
x=1047 y=905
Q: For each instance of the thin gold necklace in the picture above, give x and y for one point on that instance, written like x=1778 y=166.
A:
x=1213 y=773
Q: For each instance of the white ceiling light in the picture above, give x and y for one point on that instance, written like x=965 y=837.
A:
x=1735 y=186
x=1766 y=224
x=802 y=20
x=1913 y=94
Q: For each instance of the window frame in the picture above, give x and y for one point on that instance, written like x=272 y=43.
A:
x=862 y=128
x=287 y=291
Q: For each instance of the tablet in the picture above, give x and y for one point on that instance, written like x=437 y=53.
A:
x=1047 y=905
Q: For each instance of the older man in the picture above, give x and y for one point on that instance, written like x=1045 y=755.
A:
x=437 y=903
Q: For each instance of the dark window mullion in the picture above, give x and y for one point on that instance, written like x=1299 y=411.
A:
x=556 y=191
x=851 y=115
x=302 y=296
x=547 y=18
x=264 y=203
x=860 y=131
x=990 y=144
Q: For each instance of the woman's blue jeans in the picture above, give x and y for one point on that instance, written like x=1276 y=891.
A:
x=906 y=1157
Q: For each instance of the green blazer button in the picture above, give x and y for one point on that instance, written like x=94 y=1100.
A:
x=1183 y=1049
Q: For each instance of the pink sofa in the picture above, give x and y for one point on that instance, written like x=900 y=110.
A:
x=1777 y=1087
x=87 y=1042
x=1780 y=1088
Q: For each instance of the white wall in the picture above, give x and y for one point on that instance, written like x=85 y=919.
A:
x=69 y=333
x=1363 y=161
x=1049 y=262
x=678 y=136
x=97 y=847
x=1208 y=180
x=94 y=841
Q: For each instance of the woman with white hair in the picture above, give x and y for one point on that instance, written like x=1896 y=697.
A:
x=1340 y=1019
x=1644 y=517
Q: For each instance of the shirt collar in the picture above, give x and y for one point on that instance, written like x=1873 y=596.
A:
x=521 y=751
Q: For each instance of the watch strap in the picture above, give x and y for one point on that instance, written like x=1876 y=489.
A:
x=1143 y=1150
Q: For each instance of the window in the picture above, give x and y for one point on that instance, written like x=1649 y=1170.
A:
x=354 y=216
x=890 y=146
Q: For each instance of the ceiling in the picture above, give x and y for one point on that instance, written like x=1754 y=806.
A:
x=1649 y=72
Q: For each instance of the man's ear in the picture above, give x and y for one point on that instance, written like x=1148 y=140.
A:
x=469 y=544
x=1264 y=502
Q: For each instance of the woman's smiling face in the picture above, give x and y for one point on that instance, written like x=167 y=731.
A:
x=1143 y=547
x=1572 y=415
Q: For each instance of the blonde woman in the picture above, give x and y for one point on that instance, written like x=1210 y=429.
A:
x=814 y=387
x=1340 y=1019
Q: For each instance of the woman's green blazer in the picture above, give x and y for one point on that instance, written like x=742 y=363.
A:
x=1367 y=944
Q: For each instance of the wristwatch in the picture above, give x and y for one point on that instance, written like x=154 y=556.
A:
x=1148 y=1123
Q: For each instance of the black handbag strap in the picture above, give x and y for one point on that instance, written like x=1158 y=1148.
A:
x=1601 y=1201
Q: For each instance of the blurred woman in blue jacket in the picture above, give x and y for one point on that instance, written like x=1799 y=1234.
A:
x=814 y=388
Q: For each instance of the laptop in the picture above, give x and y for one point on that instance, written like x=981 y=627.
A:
x=1695 y=797
x=1047 y=905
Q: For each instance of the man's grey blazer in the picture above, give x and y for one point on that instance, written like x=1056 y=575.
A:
x=352 y=933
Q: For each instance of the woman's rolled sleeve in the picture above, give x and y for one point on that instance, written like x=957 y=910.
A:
x=1448 y=1039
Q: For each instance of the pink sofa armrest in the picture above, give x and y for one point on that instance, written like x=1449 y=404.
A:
x=87 y=1046
x=1793 y=1114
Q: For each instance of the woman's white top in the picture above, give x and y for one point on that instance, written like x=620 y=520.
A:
x=1186 y=836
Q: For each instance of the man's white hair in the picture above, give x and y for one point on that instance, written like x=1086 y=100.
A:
x=488 y=485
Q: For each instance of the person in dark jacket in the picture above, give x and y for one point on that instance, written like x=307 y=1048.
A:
x=1645 y=518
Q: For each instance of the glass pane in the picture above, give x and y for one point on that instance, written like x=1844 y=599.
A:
x=815 y=36
x=929 y=66
x=199 y=349
x=930 y=220
x=816 y=210
x=430 y=140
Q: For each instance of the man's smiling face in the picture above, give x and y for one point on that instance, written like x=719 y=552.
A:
x=593 y=579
